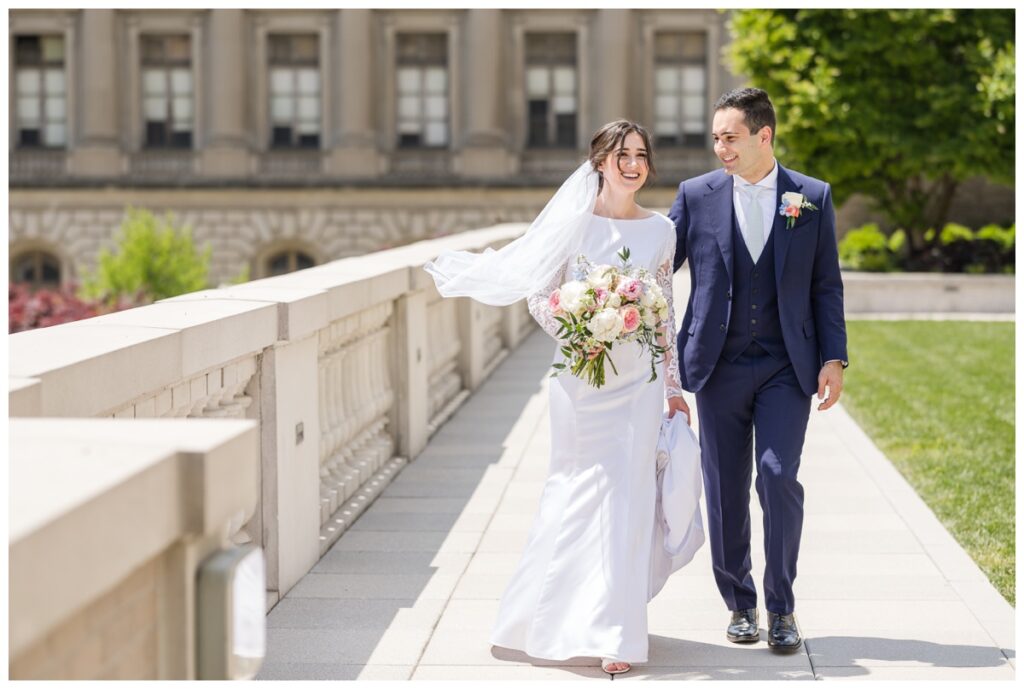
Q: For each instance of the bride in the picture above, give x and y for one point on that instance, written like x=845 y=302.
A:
x=582 y=585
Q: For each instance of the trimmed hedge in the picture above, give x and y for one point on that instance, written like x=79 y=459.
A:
x=955 y=249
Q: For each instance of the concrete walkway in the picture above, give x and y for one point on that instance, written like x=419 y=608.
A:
x=411 y=591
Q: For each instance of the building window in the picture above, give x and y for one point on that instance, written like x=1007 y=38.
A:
x=167 y=92
x=287 y=261
x=680 y=91
x=37 y=269
x=422 y=79
x=40 y=91
x=294 y=91
x=551 y=91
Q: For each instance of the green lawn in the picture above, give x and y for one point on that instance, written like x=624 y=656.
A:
x=937 y=397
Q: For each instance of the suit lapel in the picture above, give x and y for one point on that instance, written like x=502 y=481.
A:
x=719 y=216
x=783 y=236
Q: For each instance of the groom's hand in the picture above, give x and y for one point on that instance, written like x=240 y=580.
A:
x=678 y=404
x=831 y=377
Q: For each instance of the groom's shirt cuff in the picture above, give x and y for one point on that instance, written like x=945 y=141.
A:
x=844 y=363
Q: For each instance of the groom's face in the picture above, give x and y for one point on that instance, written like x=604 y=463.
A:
x=741 y=151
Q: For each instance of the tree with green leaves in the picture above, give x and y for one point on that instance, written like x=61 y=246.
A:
x=155 y=260
x=898 y=105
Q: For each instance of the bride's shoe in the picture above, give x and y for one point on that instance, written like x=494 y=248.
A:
x=607 y=663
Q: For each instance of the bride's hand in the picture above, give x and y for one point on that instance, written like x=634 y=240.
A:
x=678 y=404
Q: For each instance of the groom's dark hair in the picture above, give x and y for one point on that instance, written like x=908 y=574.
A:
x=755 y=105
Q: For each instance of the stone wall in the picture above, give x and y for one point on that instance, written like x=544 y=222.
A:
x=114 y=637
x=245 y=226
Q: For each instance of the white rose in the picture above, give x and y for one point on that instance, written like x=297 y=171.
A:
x=572 y=297
x=601 y=276
x=646 y=299
x=614 y=301
x=606 y=325
x=792 y=198
x=650 y=318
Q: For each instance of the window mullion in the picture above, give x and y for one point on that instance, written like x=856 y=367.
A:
x=549 y=127
x=169 y=107
x=293 y=72
x=680 y=108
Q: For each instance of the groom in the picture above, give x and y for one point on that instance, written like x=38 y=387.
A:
x=763 y=332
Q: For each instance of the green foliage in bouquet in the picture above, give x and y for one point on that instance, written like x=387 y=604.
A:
x=576 y=329
x=592 y=370
x=154 y=257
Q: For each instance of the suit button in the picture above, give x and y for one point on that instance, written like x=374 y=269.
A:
x=721 y=326
x=753 y=334
x=728 y=295
x=753 y=321
x=756 y=274
x=754 y=307
x=754 y=290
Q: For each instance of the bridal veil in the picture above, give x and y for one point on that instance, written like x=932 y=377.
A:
x=526 y=264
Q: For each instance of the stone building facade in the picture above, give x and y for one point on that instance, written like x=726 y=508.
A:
x=287 y=138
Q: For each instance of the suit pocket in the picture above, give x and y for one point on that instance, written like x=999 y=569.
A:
x=693 y=327
x=809 y=328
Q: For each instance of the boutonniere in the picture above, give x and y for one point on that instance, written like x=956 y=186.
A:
x=791 y=206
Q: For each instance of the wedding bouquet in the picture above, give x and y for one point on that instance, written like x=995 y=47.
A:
x=602 y=306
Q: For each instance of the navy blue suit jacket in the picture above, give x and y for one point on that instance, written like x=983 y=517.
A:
x=810 y=286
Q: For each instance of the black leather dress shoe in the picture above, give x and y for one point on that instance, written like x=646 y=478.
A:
x=743 y=627
x=783 y=634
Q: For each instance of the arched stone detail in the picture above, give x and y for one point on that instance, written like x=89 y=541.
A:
x=19 y=248
x=259 y=265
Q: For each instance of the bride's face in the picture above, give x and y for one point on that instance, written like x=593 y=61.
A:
x=625 y=169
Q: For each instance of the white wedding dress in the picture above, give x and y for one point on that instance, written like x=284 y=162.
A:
x=582 y=585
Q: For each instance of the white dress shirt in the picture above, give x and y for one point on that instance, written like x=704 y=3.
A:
x=766 y=198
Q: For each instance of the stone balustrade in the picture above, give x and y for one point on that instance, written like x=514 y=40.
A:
x=345 y=370
x=109 y=521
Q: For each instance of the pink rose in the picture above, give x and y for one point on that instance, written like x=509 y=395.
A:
x=630 y=289
x=601 y=295
x=630 y=318
x=555 y=302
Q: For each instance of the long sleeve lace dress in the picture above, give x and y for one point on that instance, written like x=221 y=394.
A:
x=581 y=586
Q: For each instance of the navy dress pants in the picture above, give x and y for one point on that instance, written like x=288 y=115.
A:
x=752 y=411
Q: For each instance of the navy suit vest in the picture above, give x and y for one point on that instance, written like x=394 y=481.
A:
x=755 y=305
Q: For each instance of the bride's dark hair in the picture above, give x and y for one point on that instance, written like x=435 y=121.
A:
x=610 y=137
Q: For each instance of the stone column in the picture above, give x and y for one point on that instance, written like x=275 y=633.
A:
x=96 y=150
x=225 y=149
x=484 y=150
x=353 y=128
x=613 y=47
